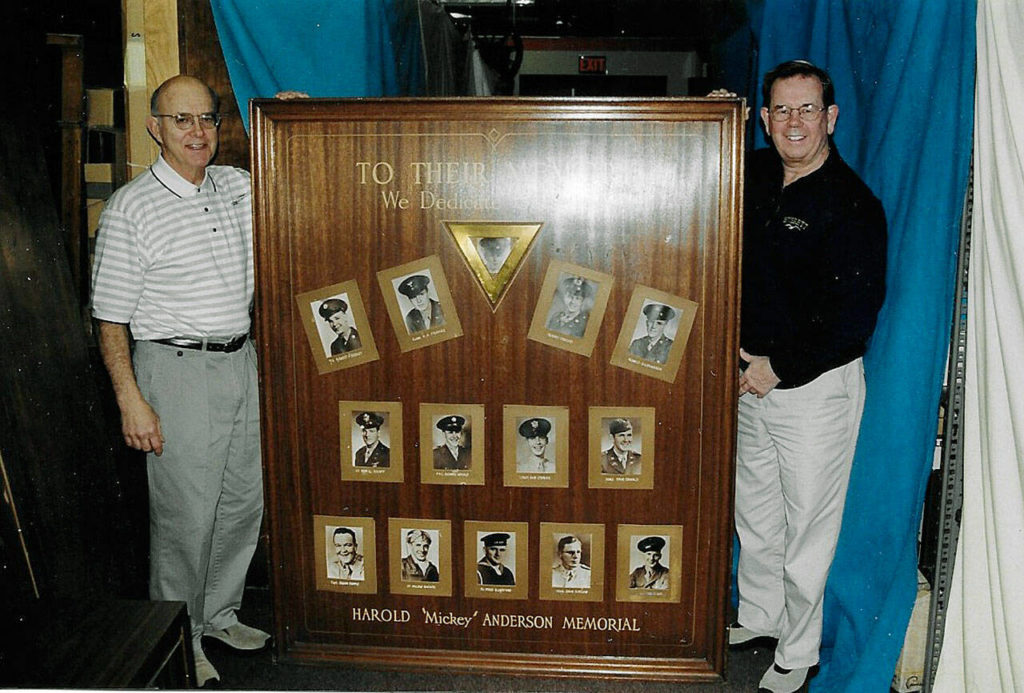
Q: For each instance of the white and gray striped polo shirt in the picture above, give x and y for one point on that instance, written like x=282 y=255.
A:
x=176 y=260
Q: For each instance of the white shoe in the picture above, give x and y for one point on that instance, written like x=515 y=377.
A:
x=240 y=637
x=779 y=680
x=204 y=669
x=741 y=635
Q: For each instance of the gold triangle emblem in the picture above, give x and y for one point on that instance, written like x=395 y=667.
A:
x=494 y=250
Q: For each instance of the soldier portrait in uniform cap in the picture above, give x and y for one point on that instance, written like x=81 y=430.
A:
x=570 y=307
x=620 y=458
x=371 y=437
x=493 y=567
x=535 y=431
x=652 y=575
x=655 y=345
x=373 y=453
x=655 y=329
x=335 y=312
x=570 y=313
x=453 y=453
x=419 y=303
x=334 y=320
x=535 y=445
x=426 y=312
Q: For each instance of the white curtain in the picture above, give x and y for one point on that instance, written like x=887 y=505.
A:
x=983 y=644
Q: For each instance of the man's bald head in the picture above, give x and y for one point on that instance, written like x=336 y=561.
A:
x=178 y=81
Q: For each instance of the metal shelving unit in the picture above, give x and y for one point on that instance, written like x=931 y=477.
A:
x=951 y=489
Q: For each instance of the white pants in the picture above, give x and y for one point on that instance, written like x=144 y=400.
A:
x=794 y=452
x=206 y=489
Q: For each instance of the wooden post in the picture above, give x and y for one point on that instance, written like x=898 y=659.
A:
x=150 y=57
x=71 y=122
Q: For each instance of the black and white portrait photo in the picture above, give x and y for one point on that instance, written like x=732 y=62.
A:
x=453 y=450
x=419 y=303
x=622 y=455
x=622 y=447
x=649 y=557
x=570 y=569
x=343 y=336
x=421 y=307
x=344 y=554
x=649 y=563
x=572 y=561
x=571 y=305
x=344 y=560
x=334 y=320
x=535 y=453
x=497 y=558
x=656 y=329
x=373 y=452
x=420 y=555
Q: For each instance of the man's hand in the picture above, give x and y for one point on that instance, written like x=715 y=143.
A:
x=141 y=427
x=759 y=377
x=139 y=423
x=726 y=94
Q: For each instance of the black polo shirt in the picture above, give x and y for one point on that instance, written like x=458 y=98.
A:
x=814 y=255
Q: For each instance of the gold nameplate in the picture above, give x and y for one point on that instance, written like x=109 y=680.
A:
x=494 y=251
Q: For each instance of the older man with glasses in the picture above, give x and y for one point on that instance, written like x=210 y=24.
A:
x=814 y=261
x=174 y=266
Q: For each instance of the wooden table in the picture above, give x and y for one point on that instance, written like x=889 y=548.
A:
x=97 y=644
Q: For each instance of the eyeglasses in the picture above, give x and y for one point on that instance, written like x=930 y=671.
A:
x=186 y=121
x=807 y=113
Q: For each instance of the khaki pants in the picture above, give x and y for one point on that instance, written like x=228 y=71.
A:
x=794 y=452
x=206 y=489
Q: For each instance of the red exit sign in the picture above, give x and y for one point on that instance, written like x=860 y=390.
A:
x=593 y=64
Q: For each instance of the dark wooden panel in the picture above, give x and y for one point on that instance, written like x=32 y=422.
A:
x=644 y=191
x=54 y=437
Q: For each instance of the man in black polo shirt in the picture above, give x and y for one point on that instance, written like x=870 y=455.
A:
x=813 y=283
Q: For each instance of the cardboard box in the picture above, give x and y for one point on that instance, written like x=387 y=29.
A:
x=100 y=112
x=99 y=173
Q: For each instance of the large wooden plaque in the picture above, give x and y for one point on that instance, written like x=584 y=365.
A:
x=555 y=246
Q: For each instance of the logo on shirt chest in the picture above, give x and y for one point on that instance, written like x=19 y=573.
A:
x=794 y=224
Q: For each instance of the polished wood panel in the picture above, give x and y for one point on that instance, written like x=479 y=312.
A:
x=646 y=191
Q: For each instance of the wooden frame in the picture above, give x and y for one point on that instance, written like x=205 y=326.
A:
x=642 y=194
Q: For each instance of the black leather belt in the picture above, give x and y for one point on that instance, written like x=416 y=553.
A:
x=205 y=344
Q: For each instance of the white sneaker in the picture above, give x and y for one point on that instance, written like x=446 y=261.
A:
x=240 y=637
x=779 y=680
x=741 y=635
x=204 y=669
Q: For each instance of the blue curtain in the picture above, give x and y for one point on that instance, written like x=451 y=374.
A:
x=320 y=47
x=904 y=77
